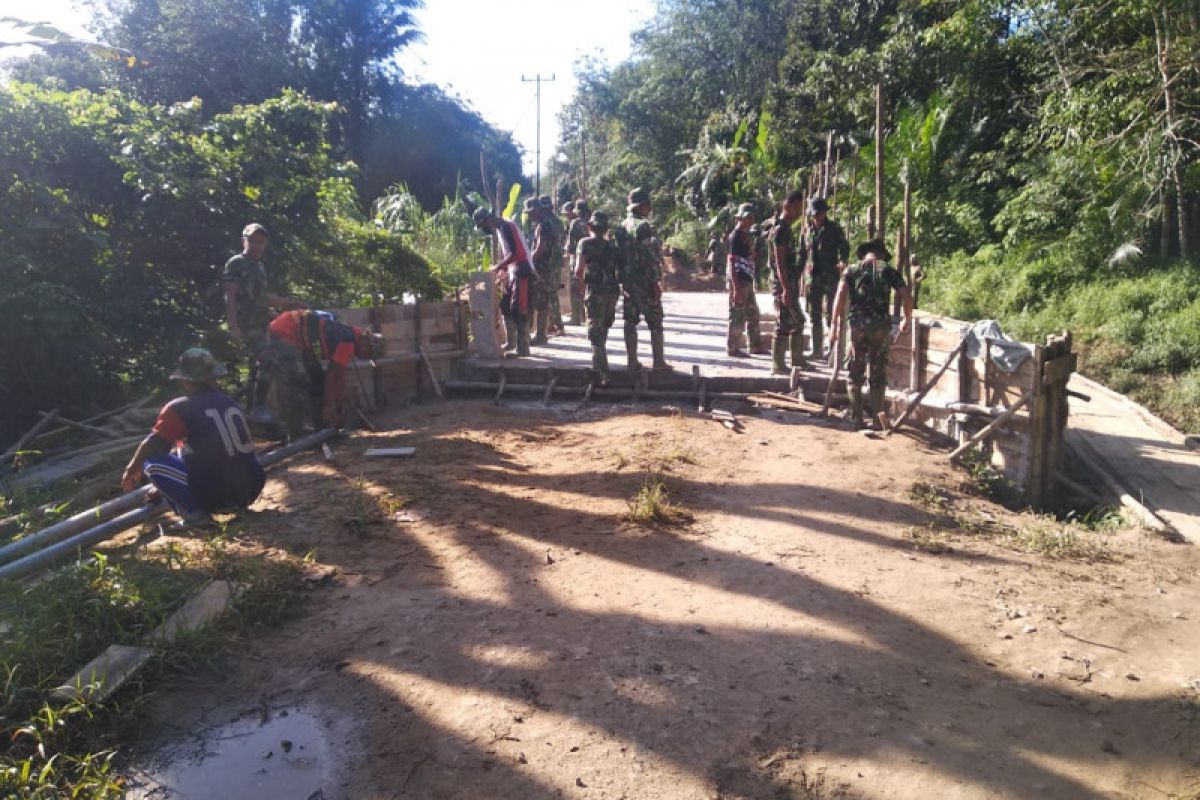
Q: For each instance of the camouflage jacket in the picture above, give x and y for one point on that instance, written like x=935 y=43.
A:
x=870 y=290
x=825 y=247
x=642 y=266
x=603 y=264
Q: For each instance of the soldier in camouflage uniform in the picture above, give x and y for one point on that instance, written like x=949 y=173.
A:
x=248 y=304
x=641 y=279
x=866 y=287
x=576 y=233
x=545 y=248
x=715 y=256
x=785 y=286
x=743 y=305
x=827 y=251
x=557 y=261
x=597 y=266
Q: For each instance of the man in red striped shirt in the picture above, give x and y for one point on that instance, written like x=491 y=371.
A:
x=515 y=272
x=300 y=341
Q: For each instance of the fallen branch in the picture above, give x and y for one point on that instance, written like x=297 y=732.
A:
x=29 y=436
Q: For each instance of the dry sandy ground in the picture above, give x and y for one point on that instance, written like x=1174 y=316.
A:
x=495 y=629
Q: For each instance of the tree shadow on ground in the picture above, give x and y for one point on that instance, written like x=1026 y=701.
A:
x=709 y=700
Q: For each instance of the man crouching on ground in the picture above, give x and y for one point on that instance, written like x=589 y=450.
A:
x=200 y=455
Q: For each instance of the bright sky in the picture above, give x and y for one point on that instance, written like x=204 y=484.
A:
x=474 y=49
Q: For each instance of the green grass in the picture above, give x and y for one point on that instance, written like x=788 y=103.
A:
x=50 y=629
x=1136 y=330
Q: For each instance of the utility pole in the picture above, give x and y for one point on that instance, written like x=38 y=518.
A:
x=539 y=80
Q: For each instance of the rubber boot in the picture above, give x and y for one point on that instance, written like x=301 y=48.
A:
x=631 y=345
x=779 y=357
x=876 y=404
x=657 y=346
x=600 y=362
x=796 y=345
x=510 y=335
x=523 y=337
x=856 y=407
x=818 y=336
x=543 y=323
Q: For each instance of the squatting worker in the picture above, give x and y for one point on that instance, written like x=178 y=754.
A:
x=248 y=304
x=200 y=455
x=576 y=233
x=867 y=287
x=300 y=341
x=516 y=275
x=597 y=266
x=827 y=251
x=785 y=287
x=743 y=306
x=641 y=279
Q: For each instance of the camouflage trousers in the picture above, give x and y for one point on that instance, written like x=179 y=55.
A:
x=869 y=345
x=821 y=291
x=789 y=319
x=642 y=302
x=545 y=291
x=744 y=314
x=556 y=279
x=602 y=312
x=301 y=382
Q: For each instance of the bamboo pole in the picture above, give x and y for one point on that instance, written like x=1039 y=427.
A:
x=880 y=203
x=45 y=422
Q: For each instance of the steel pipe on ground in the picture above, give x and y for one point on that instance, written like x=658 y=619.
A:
x=65 y=540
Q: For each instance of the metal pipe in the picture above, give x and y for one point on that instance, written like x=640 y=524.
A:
x=53 y=542
x=64 y=528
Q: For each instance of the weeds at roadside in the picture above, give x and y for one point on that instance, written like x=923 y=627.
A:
x=652 y=506
x=929 y=539
x=49 y=630
x=1048 y=537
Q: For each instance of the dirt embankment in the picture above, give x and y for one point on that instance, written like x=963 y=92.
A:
x=495 y=628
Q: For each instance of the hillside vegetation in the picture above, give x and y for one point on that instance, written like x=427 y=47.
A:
x=1051 y=149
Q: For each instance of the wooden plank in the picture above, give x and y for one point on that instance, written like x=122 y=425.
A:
x=1059 y=370
x=945 y=339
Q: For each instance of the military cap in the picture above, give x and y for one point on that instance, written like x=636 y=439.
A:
x=253 y=228
x=581 y=207
x=817 y=205
x=531 y=204
x=875 y=246
x=198 y=366
x=637 y=197
x=568 y=208
x=598 y=220
x=745 y=210
x=481 y=215
x=545 y=201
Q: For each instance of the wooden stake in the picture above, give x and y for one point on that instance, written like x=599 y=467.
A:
x=916 y=401
x=880 y=208
x=437 y=386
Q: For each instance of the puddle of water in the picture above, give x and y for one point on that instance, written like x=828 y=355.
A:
x=287 y=756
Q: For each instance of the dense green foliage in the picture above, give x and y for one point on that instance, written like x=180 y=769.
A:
x=1051 y=150
x=123 y=189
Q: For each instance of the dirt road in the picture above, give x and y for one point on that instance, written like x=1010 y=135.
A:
x=495 y=628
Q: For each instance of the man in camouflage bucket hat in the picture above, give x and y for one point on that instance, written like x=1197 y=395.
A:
x=866 y=287
x=199 y=455
x=785 y=287
x=597 y=266
x=641 y=279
